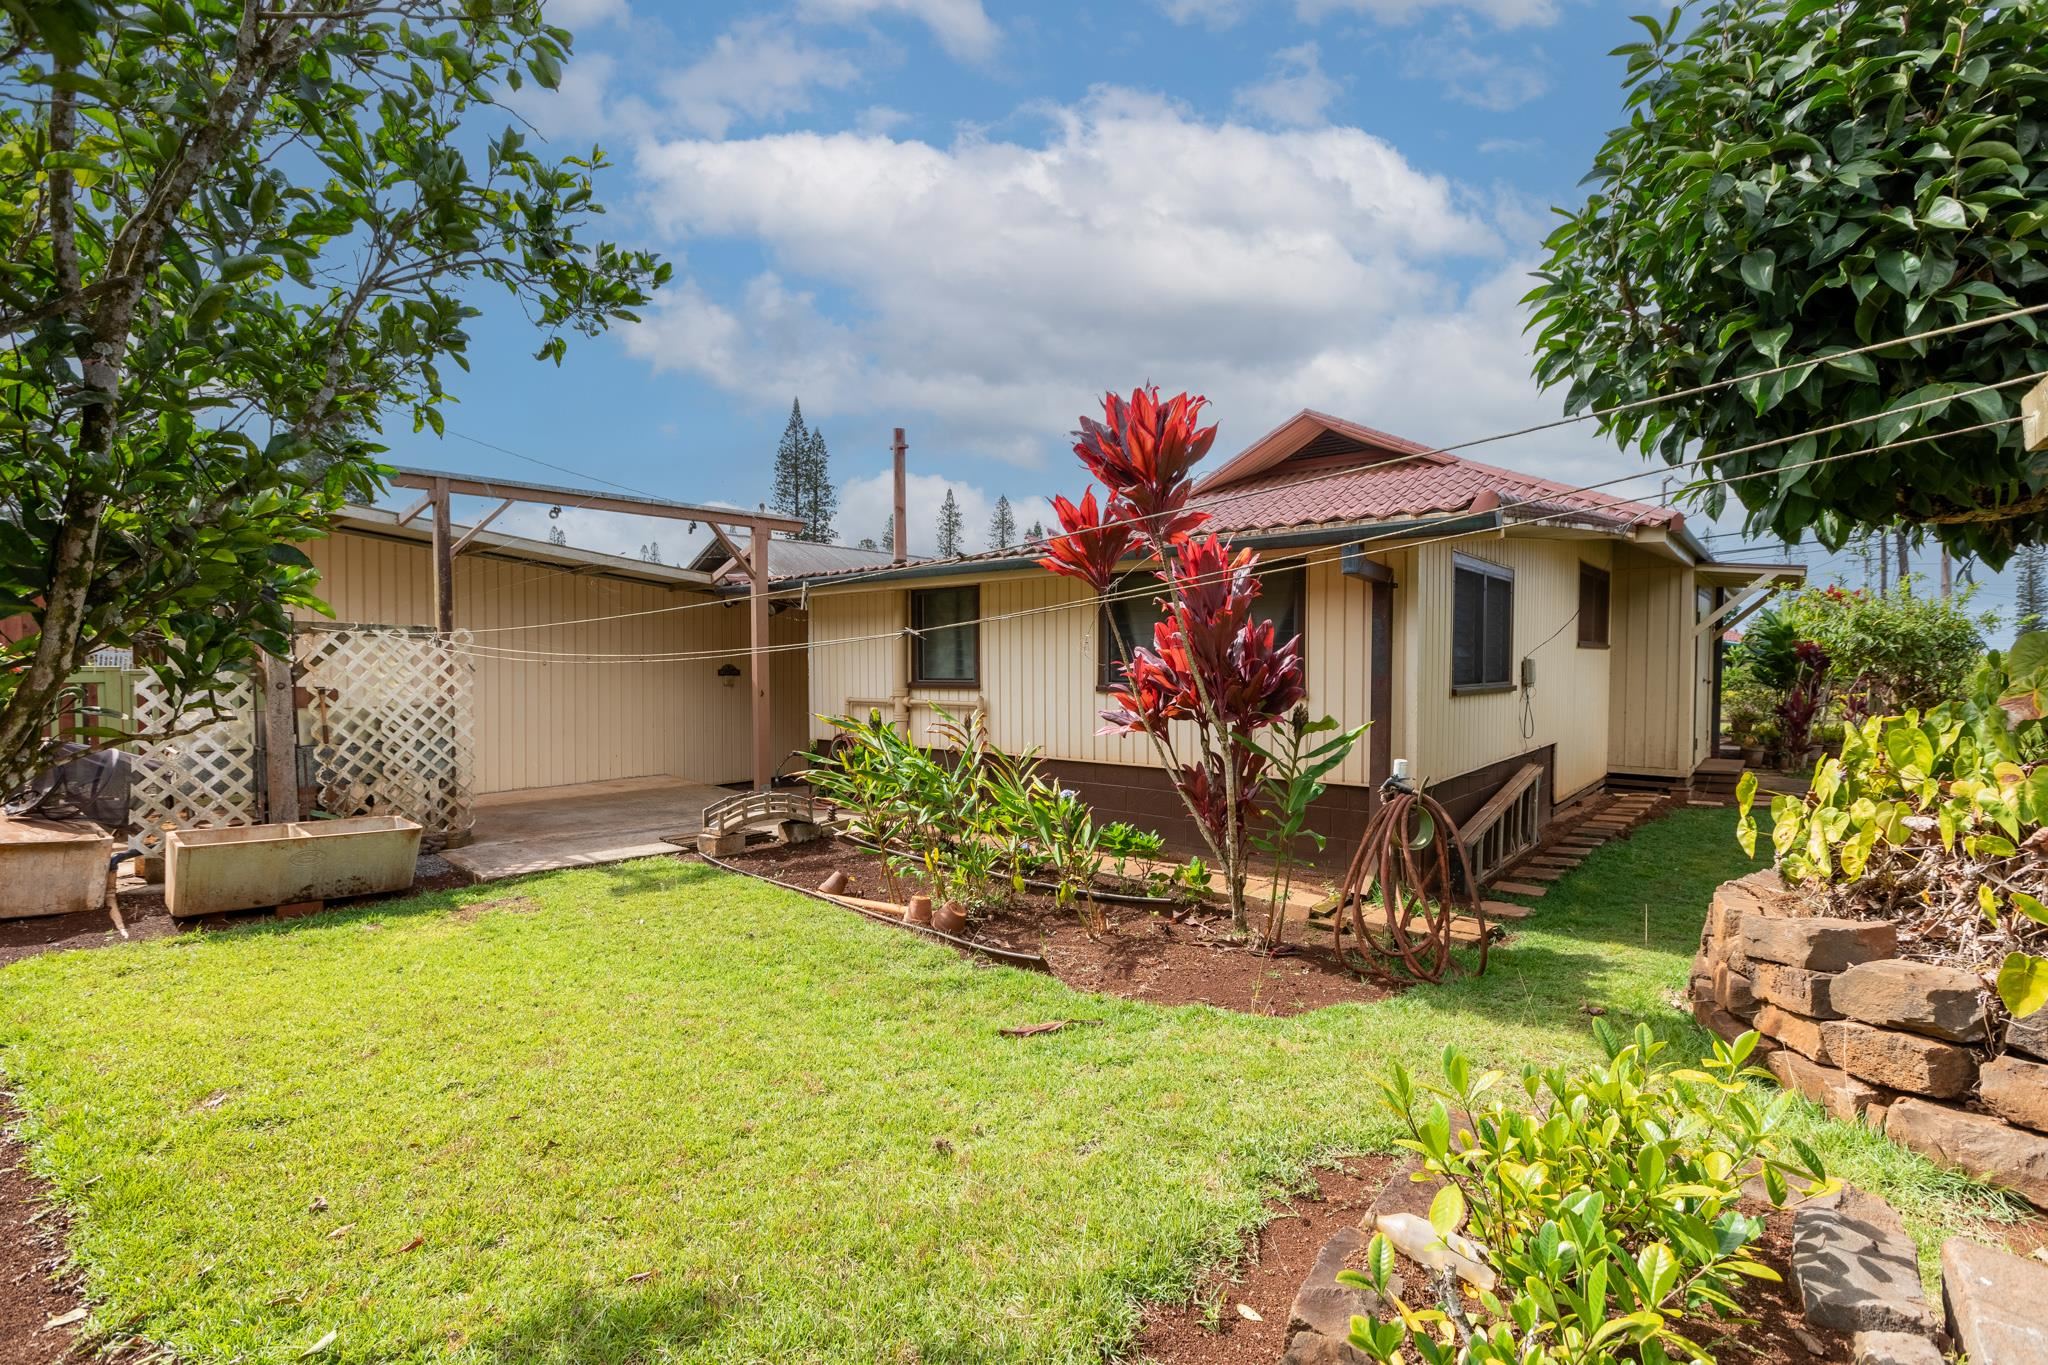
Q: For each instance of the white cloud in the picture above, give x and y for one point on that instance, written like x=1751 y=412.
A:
x=867 y=502
x=983 y=293
x=1495 y=146
x=1470 y=76
x=757 y=70
x=1296 y=91
x=962 y=27
x=880 y=118
x=586 y=105
x=1503 y=13
x=1216 y=14
x=578 y=15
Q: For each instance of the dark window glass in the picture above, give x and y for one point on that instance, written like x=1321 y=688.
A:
x=1282 y=599
x=1592 y=607
x=944 y=650
x=1482 y=625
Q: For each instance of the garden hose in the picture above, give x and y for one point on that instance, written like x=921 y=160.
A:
x=1407 y=853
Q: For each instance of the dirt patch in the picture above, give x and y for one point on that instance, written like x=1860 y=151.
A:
x=1141 y=954
x=497 y=905
x=37 y=1285
x=1211 y=1330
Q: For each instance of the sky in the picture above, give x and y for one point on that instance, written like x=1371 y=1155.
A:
x=969 y=218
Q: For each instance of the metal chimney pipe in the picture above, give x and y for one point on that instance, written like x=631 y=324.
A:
x=902 y=537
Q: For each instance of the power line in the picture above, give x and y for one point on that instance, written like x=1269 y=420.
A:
x=1213 y=500
x=1326 y=554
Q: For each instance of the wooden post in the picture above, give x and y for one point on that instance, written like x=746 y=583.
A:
x=1904 y=567
x=280 y=741
x=2034 y=416
x=444 y=561
x=1948 y=575
x=757 y=612
x=899 y=535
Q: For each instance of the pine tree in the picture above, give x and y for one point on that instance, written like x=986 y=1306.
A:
x=1002 y=527
x=1036 y=535
x=792 y=458
x=651 y=552
x=889 y=534
x=950 y=522
x=2031 y=568
x=868 y=543
x=821 y=500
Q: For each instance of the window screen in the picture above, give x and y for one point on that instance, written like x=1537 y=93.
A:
x=1592 y=607
x=1482 y=625
x=944 y=650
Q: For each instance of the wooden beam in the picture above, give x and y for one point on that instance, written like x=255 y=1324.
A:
x=518 y=491
x=486 y=520
x=444 y=560
x=422 y=505
x=280 y=741
x=2034 y=416
x=732 y=548
x=1736 y=599
x=1379 y=740
x=758 y=666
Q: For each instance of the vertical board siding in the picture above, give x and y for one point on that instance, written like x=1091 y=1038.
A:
x=1650 y=708
x=1567 y=707
x=1038 y=664
x=549 y=721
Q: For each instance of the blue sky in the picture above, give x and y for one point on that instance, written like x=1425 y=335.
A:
x=968 y=218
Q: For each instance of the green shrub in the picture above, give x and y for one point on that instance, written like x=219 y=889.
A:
x=1931 y=810
x=1608 y=1212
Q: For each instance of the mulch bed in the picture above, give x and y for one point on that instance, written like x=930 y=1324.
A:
x=1143 y=955
x=1212 y=1331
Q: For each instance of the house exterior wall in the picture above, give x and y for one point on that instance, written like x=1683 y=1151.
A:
x=1569 y=705
x=548 y=722
x=1592 y=711
x=1651 y=707
x=1038 y=671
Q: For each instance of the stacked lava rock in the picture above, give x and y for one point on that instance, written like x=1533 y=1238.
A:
x=1908 y=1046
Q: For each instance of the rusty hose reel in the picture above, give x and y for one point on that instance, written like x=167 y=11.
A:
x=1407 y=852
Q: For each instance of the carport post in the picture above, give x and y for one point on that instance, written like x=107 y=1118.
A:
x=757 y=663
x=444 y=560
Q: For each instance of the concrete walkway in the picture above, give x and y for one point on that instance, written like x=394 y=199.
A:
x=544 y=828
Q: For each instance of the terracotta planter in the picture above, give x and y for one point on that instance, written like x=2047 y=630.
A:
x=950 y=918
x=920 y=911
x=835 y=885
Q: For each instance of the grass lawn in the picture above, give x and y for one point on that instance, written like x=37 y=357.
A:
x=444 y=1132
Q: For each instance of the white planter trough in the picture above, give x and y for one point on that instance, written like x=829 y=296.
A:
x=212 y=871
x=52 y=867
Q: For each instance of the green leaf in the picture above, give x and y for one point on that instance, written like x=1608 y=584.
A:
x=1447 y=1210
x=2030 y=907
x=1758 y=267
x=1946 y=213
x=2023 y=984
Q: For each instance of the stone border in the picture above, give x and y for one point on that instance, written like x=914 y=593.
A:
x=1906 y=1047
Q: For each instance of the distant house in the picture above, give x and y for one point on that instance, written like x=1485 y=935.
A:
x=790 y=559
x=1483 y=619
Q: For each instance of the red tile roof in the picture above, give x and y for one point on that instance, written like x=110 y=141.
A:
x=1409 y=487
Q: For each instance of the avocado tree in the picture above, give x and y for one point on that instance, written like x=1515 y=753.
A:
x=1795 y=182
x=236 y=238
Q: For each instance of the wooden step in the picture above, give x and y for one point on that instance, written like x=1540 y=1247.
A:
x=1506 y=910
x=1465 y=929
x=1520 y=889
x=1529 y=872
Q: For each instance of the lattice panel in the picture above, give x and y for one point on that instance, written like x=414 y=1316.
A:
x=204 y=780
x=391 y=723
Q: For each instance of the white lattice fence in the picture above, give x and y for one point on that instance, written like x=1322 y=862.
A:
x=203 y=780
x=391 y=723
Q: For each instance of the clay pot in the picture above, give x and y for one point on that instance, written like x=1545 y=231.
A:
x=834 y=885
x=950 y=918
x=920 y=911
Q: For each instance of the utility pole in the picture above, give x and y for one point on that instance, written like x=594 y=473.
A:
x=1904 y=569
x=1948 y=577
x=1884 y=563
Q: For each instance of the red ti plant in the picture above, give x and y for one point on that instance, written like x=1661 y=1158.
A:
x=1209 y=662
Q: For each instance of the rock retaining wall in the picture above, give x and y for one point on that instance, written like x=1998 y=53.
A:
x=1911 y=1048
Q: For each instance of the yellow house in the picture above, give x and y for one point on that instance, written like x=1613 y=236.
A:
x=1483 y=620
